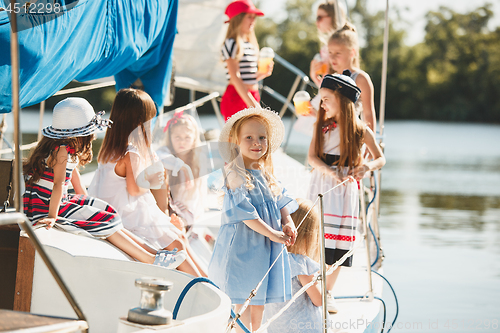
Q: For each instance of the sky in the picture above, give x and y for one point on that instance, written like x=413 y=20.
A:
x=414 y=14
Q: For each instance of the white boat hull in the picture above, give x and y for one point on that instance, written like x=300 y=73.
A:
x=101 y=278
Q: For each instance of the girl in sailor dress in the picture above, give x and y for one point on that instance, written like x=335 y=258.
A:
x=256 y=222
x=335 y=154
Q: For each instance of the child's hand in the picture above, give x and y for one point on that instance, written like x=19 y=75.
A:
x=280 y=237
x=290 y=230
x=155 y=175
x=332 y=173
x=359 y=171
x=48 y=221
x=270 y=68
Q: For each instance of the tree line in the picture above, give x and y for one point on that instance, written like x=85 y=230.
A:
x=453 y=75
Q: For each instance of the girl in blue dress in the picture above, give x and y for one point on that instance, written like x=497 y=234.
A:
x=256 y=222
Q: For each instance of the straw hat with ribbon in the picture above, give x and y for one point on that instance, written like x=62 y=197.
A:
x=275 y=137
x=75 y=117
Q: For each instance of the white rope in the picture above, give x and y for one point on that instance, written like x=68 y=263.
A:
x=254 y=291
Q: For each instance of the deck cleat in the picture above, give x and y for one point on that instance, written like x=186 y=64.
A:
x=151 y=310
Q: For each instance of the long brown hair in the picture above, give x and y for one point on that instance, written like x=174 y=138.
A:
x=351 y=132
x=131 y=109
x=347 y=36
x=233 y=31
x=266 y=160
x=307 y=242
x=45 y=152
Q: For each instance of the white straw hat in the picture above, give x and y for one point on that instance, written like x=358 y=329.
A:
x=276 y=128
x=74 y=117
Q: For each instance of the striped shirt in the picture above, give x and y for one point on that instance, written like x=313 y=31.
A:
x=248 y=62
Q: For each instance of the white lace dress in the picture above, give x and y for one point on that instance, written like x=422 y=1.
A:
x=139 y=213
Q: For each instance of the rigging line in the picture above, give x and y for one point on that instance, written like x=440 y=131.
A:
x=348 y=179
x=254 y=291
x=315 y=279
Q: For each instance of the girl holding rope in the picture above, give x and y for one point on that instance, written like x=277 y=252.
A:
x=255 y=220
x=304 y=315
x=335 y=154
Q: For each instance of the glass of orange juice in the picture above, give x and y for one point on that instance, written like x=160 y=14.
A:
x=324 y=66
x=302 y=102
x=266 y=56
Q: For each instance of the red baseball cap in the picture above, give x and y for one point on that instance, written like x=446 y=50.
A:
x=241 y=6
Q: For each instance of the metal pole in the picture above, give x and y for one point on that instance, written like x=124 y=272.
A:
x=25 y=224
x=292 y=121
x=21 y=218
x=217 y=113
x=3 y=129
x=383 y=85
x=383 y=88
x=40 y=125
x=374 y=215
x=339 y=17
x=367 y=243
x=322 y=261
x=290 y=95
x=14 y=60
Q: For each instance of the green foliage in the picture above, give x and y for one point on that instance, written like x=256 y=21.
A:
x=295 y=39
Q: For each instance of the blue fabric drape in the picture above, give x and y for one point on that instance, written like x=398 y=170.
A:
x=129 y=39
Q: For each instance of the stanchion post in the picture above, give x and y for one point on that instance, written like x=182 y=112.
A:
x=367 y=244
x=323 y=263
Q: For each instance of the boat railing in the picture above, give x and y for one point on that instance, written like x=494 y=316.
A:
x=25 y=224
x=321 y=275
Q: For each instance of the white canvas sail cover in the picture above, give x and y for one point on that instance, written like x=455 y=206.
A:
x=201 y=32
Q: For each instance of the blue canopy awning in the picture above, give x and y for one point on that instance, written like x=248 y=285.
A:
x=127 y=39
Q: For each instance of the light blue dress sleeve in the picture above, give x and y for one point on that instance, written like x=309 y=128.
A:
x=302 y=265
x=237 y=206
x=285 y=200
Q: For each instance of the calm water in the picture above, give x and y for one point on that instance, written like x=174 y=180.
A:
x=440 y=223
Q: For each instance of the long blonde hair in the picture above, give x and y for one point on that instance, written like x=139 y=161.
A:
x=234 y=32
x=307 y=242
x=347 y=36
x=191 y=158
x=265 y=162
x=351 y=132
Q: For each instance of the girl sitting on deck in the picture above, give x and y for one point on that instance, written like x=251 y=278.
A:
x=335 y=154
x=255 y=220
x=304 y=315
x=53 y=165
x=129 y=171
